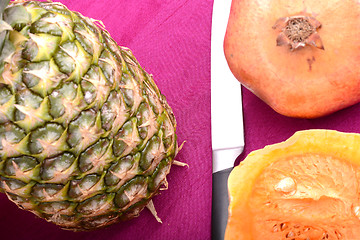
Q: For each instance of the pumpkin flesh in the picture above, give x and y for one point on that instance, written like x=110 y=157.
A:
x=306 y=188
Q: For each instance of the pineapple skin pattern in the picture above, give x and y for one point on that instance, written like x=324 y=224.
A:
x=86 y=137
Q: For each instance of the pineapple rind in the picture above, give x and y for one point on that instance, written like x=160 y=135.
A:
x=86 y=137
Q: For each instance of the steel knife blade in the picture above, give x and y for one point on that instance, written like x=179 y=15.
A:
x=227 y=129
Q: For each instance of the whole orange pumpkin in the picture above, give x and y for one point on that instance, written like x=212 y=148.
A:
x=301 y=57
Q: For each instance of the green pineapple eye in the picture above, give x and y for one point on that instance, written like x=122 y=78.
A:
x=86 y=138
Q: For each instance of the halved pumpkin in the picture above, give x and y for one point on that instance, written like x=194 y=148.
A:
x=307 y=188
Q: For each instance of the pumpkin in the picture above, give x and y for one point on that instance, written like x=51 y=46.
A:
x=301 y=57
x=306 y=188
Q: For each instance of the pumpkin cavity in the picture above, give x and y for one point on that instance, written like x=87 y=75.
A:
x=307 y=197
x=295 y=231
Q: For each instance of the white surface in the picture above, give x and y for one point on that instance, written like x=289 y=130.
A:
x=227 y=129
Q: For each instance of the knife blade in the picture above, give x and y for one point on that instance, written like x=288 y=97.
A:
x=227 y=130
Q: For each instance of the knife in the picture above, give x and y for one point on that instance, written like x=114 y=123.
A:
x=227 y=130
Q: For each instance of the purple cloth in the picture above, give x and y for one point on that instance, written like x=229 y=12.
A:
x=263 y=126
x=171 y=40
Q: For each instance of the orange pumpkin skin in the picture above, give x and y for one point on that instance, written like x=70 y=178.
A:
x=321 y=203
x=307 y=82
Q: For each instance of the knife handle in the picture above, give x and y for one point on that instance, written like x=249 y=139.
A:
x=220 y=204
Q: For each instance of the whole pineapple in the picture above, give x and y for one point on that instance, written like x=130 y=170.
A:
x=86 y=138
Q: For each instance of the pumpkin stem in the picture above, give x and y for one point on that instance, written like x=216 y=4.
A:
x=298 y=31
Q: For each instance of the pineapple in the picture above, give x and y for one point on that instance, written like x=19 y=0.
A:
x=86 y=137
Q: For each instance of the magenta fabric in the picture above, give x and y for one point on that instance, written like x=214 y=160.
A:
x=171 y=40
